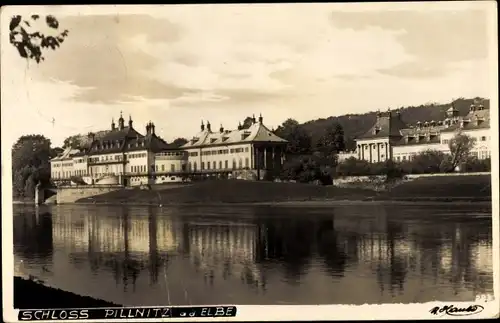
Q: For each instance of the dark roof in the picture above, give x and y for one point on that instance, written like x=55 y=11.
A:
x=472 y=118
x=124 y=140
x=425 y=141
x=389 y=124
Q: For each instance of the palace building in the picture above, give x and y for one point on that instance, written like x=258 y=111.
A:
x=390 y=138
x=126 y=157
x=120 y=155
x=248 y=152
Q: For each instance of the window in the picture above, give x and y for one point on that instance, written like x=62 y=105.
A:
x=220 y=164
x=172 y=167
x=215 y=164
x=247 y=162
x=162 y=168
x=208 y=165
x=246 y=149
x=202 y=165
x=234 y=163
x=194 y=166
x=189 y=166
x=483 y=138
x=404 y=157
x=240 y=164
x=226 y=164
x=398 y=158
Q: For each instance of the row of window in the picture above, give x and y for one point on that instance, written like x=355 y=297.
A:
x=67 y=174
x=171 y=153
x=213 y=165
x=68 y=164
x=483 y=154
x=223 y=151
x=447 y=141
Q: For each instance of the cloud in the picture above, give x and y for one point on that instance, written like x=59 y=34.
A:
x=435 y=38
x=178 y=64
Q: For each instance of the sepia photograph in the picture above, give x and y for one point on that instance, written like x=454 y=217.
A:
x=253 y=156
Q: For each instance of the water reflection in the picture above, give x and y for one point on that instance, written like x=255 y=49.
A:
x=259 y=255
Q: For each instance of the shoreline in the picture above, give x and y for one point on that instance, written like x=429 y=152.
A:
x=298 y=203
x=51 y=297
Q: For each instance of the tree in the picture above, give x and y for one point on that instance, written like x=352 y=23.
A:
x=247 y=123
x=299 y=141
x=332 y=140
x=30 y=164
x=180 y=142
x=30 y=43
x=73 y=142
x=460 y=147
x=426 y=162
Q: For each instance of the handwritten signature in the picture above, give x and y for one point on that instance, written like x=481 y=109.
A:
x=457 y=311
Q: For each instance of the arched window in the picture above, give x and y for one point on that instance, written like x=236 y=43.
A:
x=234 y=163
x=220 y=164
x=194 y=166
x=240 y=163
x=247 y=162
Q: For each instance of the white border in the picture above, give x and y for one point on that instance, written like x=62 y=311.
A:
x=274 y=313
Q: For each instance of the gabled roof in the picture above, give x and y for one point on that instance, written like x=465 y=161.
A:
x=257 y=132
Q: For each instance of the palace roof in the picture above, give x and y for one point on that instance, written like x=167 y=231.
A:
x=388 y=125
x=68 y=153
x=257 y=132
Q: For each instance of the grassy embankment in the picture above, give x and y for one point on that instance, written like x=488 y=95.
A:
x=29 y=294
x=444 y=188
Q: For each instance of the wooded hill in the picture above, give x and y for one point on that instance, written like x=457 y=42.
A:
x=357 y=124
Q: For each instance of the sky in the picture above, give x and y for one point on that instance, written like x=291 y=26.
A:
x=178 y=65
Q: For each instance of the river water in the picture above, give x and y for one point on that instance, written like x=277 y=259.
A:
x=354 y=254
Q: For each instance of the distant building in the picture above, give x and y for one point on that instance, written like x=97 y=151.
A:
x=391 y=138
x=124 y=156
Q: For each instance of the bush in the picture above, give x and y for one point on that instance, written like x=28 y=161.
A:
x=473 y=164
x=353 y=167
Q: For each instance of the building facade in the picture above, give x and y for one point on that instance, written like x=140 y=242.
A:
x=124 y=156
x=248 y=152
x=391 y=139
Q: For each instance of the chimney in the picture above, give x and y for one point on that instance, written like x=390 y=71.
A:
x=148 y=128
x=221 y=129
x=113 y=124
x=208 y=126
x=260 y=118
x=202 y=126
x=253 y=118
x=152 y=128
x=130 y=121
x=240 y=126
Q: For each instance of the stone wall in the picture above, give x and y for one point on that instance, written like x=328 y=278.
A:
x=70 y=194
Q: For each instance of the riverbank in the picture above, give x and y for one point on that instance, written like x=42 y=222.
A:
x=464 y=189
x=29 y=295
